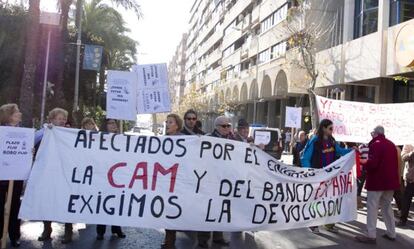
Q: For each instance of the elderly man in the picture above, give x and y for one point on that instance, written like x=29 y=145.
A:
x=382 y=179
x=242 y=133
x=299 y=146
x=222 y=130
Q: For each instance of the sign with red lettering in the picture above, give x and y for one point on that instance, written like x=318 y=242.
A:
x=181 y=183
x=354 y=121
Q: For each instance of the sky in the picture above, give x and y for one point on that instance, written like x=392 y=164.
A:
x=158 y=32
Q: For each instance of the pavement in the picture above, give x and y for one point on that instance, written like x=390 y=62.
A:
x=85 y=237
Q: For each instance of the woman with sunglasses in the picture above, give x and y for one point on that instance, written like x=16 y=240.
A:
x=321 y=151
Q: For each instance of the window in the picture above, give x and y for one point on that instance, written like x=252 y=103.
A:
x=264 y=56
x=401 y=11
x=278 y=50
x=366 y=17
x=403 y=92
x=275 y=18
x=228 y=51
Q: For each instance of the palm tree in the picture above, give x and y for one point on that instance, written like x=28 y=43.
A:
x=105 y=26
x=30 y=61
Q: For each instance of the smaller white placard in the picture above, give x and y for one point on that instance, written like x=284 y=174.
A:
x=153 y=95
x=262 y=137
x=121 y=95
x=16 y=146
x=293 y=117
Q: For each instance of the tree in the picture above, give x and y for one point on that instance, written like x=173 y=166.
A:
x=30 y=63
x=12 y=42
x=306 y=31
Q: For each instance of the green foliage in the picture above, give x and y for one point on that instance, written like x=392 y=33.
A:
x=12 y=43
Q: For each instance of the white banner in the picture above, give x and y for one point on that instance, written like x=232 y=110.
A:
x=354 y=121
x=16 y=145
x=121 y=95
x=153 y=88
x=293 y=117
x=181 y=183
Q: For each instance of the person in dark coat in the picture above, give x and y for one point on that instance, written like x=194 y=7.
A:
x=190 y=124
x=109 y=125
x=242 y=133
x=382 y=179
x=10 y=115
x=222 y=130
x=298 y=148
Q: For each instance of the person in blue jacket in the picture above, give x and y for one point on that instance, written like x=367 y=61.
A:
x=319 y=152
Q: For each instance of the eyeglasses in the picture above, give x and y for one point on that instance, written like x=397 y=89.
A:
x=194 y=119
x=225 y=126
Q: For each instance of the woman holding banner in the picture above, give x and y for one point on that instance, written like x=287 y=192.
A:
x=321 y=151
x=10 y=115
x=56 y=117
x=174 y=125
x=109 y=125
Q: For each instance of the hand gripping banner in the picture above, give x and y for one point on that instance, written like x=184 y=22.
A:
x=182 y=183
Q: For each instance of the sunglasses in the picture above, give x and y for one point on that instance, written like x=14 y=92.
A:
x=191 y=119
x=225 y=126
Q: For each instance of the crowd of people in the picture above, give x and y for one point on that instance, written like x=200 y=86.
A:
x=386 y=171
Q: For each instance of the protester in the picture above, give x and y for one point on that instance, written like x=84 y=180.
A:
x=298 y=148
x=382 y=180
x=398 y=194
x=242 y=133
x=190 y=125
x=288 y=140
x=408 y=157
x=109 y=125
x=222 y=129
x=10 y=115
x=363 y=155
x=174 y=125
x=321 y=151
x=283 y=139
x=56 y=117
x=89 y=124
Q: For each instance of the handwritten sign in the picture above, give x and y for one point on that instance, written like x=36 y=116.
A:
x=16 y=145
x=354 y=121
x=121 y=95
x=153 y=89
x=293 y=117
x=181 y=183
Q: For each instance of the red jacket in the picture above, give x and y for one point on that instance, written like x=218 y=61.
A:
x=382 y=165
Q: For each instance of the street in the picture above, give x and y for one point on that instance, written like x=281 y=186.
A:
x=85 y=237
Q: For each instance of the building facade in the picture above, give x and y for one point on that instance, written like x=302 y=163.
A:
x=176 y=71
x=239 y=56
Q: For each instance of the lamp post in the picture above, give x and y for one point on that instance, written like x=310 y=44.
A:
x=49 y=20
x=78 y=50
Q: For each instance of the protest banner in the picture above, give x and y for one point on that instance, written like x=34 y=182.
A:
x=121 y=95
x=354 y=121
x=153 y=89
x=181 y=183
x=293 y=117
x=16 y=146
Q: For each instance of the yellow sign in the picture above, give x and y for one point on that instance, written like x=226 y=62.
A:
x=404 y=46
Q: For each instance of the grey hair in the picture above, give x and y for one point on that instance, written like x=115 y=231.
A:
x=379 y=130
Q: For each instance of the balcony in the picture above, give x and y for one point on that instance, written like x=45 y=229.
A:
x=236 y=10
x=212 y=76
x=214 y=56
x=232 y=59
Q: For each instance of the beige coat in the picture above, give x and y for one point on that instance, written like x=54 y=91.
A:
x=408 y=157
